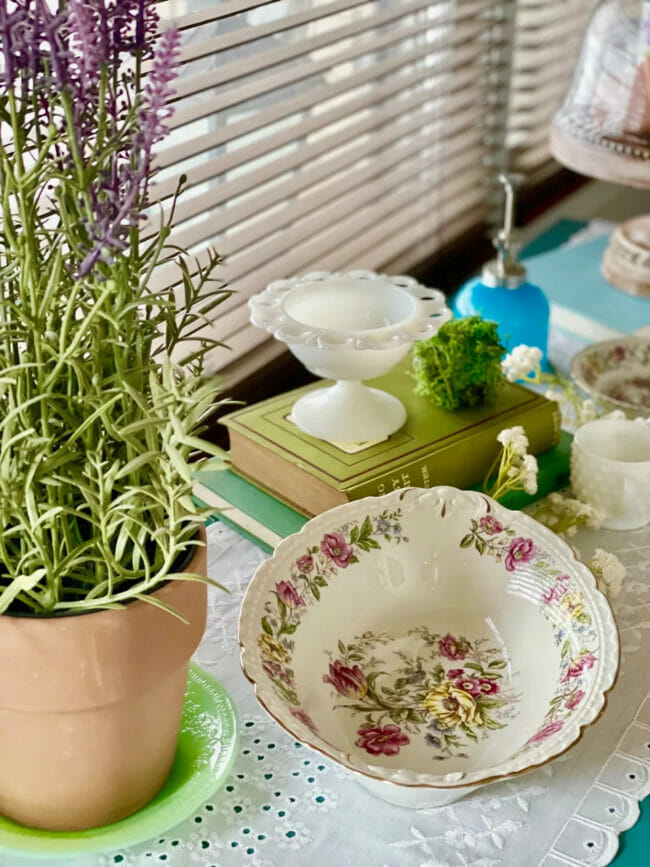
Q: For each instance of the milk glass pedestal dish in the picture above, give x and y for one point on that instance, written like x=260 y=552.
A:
x=349 y=327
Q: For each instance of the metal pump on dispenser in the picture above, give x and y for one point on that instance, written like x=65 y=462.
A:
x=502 y=293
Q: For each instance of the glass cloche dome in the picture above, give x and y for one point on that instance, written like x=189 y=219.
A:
x=603 y=127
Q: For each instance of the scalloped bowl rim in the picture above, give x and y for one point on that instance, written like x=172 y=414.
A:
x=417 y=323
x=541 y=753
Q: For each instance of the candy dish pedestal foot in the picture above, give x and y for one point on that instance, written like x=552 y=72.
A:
x=348 y=412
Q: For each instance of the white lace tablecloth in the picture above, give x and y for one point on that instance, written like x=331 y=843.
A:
x=285 y=806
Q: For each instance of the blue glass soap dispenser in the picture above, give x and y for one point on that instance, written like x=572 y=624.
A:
x=503 y=294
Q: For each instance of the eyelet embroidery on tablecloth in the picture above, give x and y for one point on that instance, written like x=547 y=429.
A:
x=612 y=804
x=258 y=812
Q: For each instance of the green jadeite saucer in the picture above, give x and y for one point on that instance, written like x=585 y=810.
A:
x=205 y=754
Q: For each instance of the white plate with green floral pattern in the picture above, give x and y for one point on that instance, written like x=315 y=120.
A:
x=430 y=641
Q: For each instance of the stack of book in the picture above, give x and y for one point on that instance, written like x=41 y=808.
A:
x=276 y=476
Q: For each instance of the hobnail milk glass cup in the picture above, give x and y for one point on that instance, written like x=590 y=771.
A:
x=610 y=469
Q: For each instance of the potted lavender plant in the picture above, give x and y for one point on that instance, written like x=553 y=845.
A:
x=102 y=568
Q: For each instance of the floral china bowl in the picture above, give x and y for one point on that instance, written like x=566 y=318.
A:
x=430 y=641
x=616 y=373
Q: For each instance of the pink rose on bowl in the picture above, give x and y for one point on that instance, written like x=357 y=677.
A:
x=489 y=524
x=557 y=591
x=337 y=549
x=347 y=681
x=573 y=702
x=488 y=687
x=546 y=731
x=476 y=686
x=453 y=648
x=520 y=551
x=577 y=666
x=305 y=563
x=453 y=673
x=304 y=718
x=382 y=740
x=289 y=595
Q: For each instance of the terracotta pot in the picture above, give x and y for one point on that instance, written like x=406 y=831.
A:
x=90 y=707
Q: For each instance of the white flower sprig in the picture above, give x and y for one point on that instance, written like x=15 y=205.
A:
x=608 y=571
x=564 y=515
x=523 y=364
x=517 y=470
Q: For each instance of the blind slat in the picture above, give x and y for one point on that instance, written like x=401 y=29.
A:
x=258 y=86
x=372 y=117
x=413 y=252
x=217 y=12
x=264 y=118
x=331 y=219
x=379 y=161
x=294 y=207
x=244 y=35
x=547 y=42
x=378 y=129
x=446 y=226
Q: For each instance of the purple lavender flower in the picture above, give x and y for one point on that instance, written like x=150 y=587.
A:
x=155 y=111
x=86 y=39
x=59 y=52
x=20 y=31
x=54 y=26
x=7 y=23
x=119 y=201
x=146 y=30
x=133 y=26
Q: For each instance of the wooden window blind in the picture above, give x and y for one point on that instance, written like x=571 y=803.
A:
x=330 y=134
x=547 y=41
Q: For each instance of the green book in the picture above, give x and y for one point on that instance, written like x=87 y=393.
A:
x=433 y=447
x=266 y=520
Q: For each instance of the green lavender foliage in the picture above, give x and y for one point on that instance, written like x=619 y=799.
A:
x=102 y=392
x=460 y=366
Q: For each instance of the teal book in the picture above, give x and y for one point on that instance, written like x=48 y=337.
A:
x=265 y=519
x=583 y=301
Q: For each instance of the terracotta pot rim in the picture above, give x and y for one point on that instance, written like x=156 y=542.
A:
x=184 y=559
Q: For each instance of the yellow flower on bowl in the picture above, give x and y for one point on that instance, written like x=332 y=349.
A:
x=573 y=603
x=452 y=706
x=272 y=648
